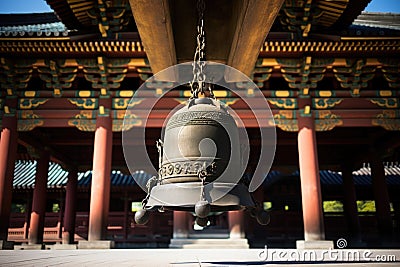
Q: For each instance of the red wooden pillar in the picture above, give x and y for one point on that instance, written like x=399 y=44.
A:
x=100 y=190
x=396 y=207
x=36 y=227
x=28 y=215
x=8 y=151
x=350 y=203
x=310 y=181
x=70 y=208
x=236 y=224
x=127 y=210
x=181 y=224
x=381 y=194
x=60 y=223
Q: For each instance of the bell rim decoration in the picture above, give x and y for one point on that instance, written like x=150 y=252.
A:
x=235 y=196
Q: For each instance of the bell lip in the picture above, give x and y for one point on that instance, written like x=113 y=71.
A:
x=214 y=208
x=221 y=196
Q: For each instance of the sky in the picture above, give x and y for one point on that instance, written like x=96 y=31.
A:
x=24 y=6
x=384 y=6
x=39 y=6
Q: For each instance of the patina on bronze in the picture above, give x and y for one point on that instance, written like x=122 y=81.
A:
x=200 y=163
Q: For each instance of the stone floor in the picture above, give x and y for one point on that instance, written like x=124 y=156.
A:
x=199 y=257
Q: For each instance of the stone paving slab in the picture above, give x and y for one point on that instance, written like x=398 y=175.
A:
x=197 y=257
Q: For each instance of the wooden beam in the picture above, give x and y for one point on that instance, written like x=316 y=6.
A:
x=254 y=22
x=153 y=21
x=40 y=146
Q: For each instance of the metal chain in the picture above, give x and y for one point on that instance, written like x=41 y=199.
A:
x=160 y=146
x=198 y=83
x=149 y=185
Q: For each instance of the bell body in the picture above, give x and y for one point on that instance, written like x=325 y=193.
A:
x=200 y=160
x=201 y=136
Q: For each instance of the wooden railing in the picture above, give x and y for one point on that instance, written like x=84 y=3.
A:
x=284 y=225
x=287 y=226
x=121 y=228
x=18 y=230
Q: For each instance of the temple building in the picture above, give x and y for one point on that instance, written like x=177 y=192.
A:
x=329 y=71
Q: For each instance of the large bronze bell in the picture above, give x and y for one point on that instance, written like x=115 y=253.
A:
x=200 y=163
x=200 y=166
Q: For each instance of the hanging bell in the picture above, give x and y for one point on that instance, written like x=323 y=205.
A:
x=200 y=162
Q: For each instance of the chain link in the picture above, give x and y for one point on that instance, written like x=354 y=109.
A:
x=198 y=83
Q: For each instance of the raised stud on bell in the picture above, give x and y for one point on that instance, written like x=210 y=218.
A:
x=142 y=216
x=202 y=209
x=202 y=221
x=263 y=217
